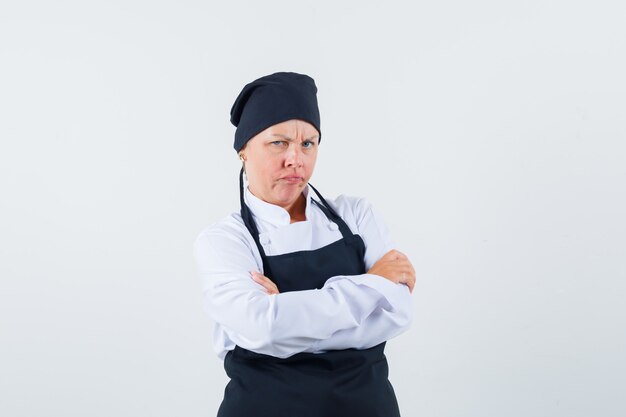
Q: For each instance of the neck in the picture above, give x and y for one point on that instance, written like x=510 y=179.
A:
x=297 y=210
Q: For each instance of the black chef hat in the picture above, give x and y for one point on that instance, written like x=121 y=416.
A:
x=274 y=99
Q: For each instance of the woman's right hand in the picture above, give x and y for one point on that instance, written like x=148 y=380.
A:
x=396 y=267
x=267 y=283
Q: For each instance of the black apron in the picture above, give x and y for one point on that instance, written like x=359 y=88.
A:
x=348 y=382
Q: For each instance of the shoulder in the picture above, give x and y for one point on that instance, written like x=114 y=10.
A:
x=225 y=251
x=362 y=218
x=357 y=212
x=351 y=206
x=227 y=232
x=230 y=225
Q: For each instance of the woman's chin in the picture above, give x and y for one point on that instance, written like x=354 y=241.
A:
x=287 y=195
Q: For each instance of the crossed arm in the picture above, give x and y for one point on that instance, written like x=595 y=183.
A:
x=357 y=311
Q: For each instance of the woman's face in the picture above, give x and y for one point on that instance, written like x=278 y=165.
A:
x=279 y=161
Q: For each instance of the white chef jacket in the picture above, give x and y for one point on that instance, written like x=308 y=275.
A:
x=357 y=311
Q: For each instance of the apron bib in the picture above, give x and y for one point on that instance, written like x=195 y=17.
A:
x=347 y=382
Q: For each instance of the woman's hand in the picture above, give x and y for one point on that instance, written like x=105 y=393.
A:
x=396 y=267
x=268 y=284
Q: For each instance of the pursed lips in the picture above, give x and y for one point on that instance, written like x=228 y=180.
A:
x=292 y=179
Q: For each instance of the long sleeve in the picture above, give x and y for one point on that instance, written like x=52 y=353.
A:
x=384 y=323
x=357 y=311
x=283 y=324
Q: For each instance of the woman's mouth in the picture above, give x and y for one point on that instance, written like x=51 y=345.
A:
x=292 y=180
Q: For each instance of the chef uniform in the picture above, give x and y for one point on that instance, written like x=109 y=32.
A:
x=317 y=348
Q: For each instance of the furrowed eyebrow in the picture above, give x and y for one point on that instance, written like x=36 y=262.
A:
x=290 y=139
x=282 y=136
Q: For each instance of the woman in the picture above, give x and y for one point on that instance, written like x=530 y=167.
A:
x=304 y=292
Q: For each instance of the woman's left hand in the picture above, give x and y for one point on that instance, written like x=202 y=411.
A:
x=267 y=283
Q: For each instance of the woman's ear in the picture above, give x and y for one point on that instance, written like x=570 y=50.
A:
x=242 y=158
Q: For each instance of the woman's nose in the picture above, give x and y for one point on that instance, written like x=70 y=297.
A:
x=294 y=156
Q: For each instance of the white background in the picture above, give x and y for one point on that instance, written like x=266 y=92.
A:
x=490 y=135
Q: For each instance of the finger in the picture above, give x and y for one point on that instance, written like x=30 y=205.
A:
x=390 y=256
x=274 y=288
x=269 y=287
x=399 y=255
x=267 y=283
x=408 y=270
x=259 y=278
x=408 y=281
x=408 y=262
x=408 y=278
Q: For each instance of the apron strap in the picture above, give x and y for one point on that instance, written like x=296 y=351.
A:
x=248 y=220
x=332 y=214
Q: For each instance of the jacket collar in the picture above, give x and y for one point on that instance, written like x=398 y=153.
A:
x=271 y=213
